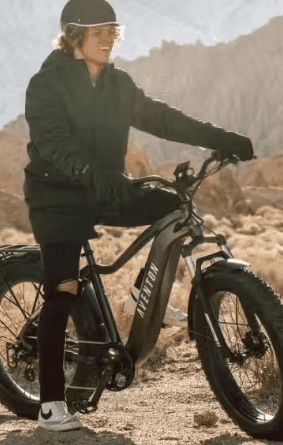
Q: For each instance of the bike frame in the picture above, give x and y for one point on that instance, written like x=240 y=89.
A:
x=156 y=285
x=168 y=245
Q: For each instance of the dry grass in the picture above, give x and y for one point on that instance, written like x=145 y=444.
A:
x=257 y=239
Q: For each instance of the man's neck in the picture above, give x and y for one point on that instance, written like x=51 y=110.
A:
x=93 y=68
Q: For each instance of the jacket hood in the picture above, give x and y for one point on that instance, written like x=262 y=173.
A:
x=57 y=58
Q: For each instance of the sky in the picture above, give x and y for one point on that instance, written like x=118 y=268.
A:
x=28 y=28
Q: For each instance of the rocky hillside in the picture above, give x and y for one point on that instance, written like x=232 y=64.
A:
x=228 y=194
x=238 y=86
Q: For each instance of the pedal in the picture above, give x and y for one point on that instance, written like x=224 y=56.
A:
x=87 y=406
x=84 y=407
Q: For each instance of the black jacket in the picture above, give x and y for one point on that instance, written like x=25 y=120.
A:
x=79 y=135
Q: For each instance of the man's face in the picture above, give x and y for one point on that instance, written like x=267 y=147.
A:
x=98 y=44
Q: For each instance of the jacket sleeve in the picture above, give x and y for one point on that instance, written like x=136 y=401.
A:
x=50 y=129
x=161 y=120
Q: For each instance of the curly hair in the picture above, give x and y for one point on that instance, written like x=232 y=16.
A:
x=73 y=35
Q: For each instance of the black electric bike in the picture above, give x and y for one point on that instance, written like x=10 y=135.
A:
x=233 y=315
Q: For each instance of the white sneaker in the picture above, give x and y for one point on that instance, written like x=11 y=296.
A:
x=173 y=317
x=54 y=416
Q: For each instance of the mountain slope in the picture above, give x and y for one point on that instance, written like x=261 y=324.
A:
x=28 y=28
x=238 y=86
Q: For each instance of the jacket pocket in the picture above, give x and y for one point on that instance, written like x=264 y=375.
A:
x=47 y=174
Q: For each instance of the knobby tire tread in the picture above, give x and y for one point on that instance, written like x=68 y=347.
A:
x=265 y=303
x=19 y=269
x=15 y=270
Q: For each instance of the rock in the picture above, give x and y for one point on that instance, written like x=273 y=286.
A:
x=13 y=160
x=137 y=163
x=221 y=196
x=207 y=419
x=13 y=212
x=257 y=197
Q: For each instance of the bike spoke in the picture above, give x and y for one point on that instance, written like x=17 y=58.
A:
x=37 y=297
x=17 y=305
x=257 y=376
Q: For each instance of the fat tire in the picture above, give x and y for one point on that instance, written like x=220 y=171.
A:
x=14 y=270
x=262 y=301
x=26 y=268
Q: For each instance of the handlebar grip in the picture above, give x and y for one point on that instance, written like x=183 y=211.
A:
x=218 y=156
x=233 y=159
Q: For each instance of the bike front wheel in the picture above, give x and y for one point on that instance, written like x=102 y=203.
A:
x=248 y=383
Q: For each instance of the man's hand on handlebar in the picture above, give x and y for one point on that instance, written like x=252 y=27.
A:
x=229 y=144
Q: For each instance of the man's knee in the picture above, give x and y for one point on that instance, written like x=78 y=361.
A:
x=70 y=286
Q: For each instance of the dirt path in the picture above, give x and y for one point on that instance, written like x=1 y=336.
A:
x=169 y=405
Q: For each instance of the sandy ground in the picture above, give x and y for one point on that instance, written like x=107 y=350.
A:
x=170 y=403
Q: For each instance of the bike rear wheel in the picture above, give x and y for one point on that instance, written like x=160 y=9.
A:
x=21 y=299
x=21 y=292
x=249 y=383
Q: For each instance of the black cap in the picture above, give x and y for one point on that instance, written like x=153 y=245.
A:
x=88 y=13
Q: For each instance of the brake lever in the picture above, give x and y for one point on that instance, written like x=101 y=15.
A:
x=224 y=160
x=233 y=159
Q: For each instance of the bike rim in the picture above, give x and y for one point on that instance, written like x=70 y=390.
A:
x=254 y=367
x=20 y=363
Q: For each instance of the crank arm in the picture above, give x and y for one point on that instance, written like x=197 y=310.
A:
x=104 y=379
x=113 y=358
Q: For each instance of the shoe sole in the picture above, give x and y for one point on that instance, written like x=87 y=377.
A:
x=62 y=427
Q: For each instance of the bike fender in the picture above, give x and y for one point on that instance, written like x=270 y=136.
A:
x=227 y=266
x=19 y=252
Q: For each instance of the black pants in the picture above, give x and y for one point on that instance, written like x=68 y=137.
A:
x=61 y=263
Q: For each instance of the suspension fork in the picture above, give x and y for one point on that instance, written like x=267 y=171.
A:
x=214 y=327
x=197 y=280
x=211 y=321
x=227 y=264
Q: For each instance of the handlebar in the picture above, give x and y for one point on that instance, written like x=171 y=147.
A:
x=153 y=178
x=185 y=176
